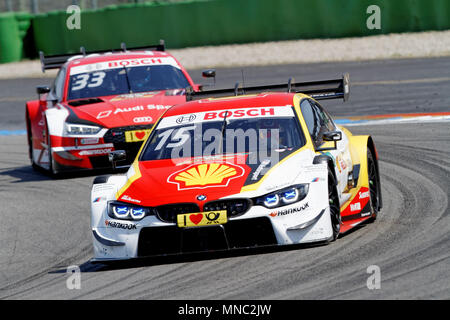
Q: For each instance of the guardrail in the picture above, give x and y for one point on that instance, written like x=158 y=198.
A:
x=216 y=22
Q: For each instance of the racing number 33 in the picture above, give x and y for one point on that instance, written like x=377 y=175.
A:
x=202 y=219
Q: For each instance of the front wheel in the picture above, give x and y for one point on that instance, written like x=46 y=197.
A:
x=335 y=208
x=51 y=163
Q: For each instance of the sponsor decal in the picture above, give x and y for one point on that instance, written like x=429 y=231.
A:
x=199 y=176
x=134 y=62
x=117 y=64
x=129 y=109
x=201 y=197
x=219 y=115
x=98 y=199
x=128 y=198
x=157 y=107
x=355 y=206
x=134 y=95
x=119 y=225
x=104 y=114
x=240 y=113
x=89 y=141
x=278 y=186
x=94 y=152
x=136 y=135
x=338 y=164
x=107 y=113
x=201 y=219
x=186 y=118
x=260 y=168
x=289 y=211
x=363 y=195
x=240 y=158
x=142 y=119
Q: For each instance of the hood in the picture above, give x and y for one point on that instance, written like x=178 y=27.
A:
x=159 y=182
x=126 y=109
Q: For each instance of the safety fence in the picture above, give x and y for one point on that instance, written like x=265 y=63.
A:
x=214 y=22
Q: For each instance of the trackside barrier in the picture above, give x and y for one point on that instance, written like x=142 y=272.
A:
x=13 y=29
x=215 y=22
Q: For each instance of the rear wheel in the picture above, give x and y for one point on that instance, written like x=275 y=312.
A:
x=374 y=185
x=335 y=208
x=30 y=143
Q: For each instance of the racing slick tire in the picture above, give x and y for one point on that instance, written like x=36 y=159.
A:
x=335 y=209
x=51 y=162
x=374 y=186
x=30 y=143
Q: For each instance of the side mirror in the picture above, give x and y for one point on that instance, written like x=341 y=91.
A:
x=209 y=73
x=332 y=136
x=115 y=156
x=42 y=89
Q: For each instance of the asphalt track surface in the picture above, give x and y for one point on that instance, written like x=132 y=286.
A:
x=45 y=223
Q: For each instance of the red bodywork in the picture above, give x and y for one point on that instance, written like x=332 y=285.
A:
x=117 y=113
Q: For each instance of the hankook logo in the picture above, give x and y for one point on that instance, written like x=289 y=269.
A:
x=289 y=211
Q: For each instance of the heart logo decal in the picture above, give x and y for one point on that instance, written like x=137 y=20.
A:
x=196 y=218
x=140 y=135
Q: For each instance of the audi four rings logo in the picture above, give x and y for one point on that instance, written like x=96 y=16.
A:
x=184 y=119
x=142 y=119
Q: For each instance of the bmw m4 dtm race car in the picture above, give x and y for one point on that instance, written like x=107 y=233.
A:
x=239 y=168
x=101 y=102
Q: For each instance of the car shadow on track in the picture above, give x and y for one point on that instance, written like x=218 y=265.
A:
x=184 y=258
x=24 y=174
x=90 y=266
x=28 y=174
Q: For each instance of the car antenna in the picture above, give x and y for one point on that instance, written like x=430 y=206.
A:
x=243 y=81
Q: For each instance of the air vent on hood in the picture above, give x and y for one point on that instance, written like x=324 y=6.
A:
x=83 y=102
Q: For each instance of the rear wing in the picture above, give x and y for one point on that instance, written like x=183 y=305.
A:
x=56 y=61
x=319 y=90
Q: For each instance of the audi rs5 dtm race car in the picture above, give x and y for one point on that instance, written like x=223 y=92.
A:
x=101 y=102
x=238 y=170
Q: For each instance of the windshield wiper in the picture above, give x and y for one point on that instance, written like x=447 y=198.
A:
x=128 y=80
x=224 y=125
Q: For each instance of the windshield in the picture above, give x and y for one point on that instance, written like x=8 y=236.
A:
x=116 y=81
x=229 y=133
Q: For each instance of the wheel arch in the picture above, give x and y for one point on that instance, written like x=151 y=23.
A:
x=358 y=149
x=323 y=158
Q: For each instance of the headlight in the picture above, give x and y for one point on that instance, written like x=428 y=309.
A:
x=283 y=197
x=125 y=211
x=81 y=129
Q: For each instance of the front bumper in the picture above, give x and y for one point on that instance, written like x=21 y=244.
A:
x=126 y=240
x=70 y=154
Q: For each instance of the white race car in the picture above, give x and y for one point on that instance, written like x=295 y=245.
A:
x=238 y=171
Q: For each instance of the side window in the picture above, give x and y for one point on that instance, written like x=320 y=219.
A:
x=312 y=120
x=326 y=120
x=58 y=86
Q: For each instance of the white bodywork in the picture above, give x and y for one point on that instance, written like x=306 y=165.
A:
x=309 y=221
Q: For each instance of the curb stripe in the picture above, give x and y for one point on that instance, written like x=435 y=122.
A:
x=13 y=132
x=394 y=118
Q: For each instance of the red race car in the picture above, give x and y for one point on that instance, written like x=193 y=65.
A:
x=101 y=102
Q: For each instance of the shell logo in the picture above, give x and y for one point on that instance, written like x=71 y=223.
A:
x=199 y=176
